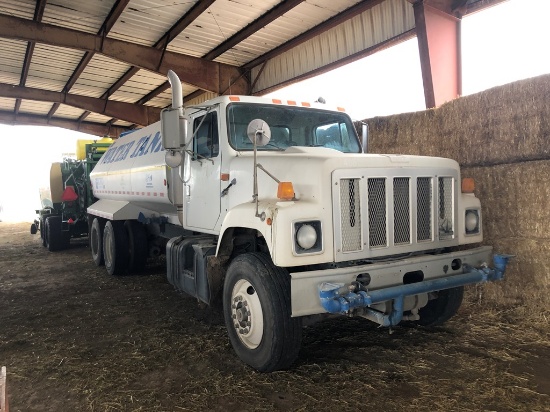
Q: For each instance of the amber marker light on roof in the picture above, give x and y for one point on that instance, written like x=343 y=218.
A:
x=277 y=101
x=341 y=109
x=235 y=98
x=285 y=191
x=468 y=185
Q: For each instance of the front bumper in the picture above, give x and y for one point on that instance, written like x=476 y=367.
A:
x=386 y=276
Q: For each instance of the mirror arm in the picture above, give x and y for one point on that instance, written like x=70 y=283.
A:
x=259 y=166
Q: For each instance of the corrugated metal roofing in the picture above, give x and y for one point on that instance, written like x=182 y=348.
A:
x=51 y=67
x=98 y=76
x=68 y=112
x=383 y=22
x=6 y=103
x=86 y=16
x=13 y=57
x=199 y=28
x=146 y=21
x=222 y=20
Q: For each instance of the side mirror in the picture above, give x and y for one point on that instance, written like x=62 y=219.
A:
x=173 y=129
x=258 y=132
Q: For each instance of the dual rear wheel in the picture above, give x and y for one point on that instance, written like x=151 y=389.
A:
x=119 y=245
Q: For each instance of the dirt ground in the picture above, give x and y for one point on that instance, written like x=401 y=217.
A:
x=76 y=339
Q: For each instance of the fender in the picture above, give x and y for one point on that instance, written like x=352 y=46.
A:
x=243 y=216
x=279 y=234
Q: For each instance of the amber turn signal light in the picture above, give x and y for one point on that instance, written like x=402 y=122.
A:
x=285 y=191
x=468 y=185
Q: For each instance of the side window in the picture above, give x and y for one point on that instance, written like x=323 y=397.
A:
x=205 y=128
x=335 y=136
x=345 y=136
x=328 y=136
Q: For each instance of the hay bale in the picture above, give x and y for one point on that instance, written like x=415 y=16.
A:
x=496 y=187
x=501 y=138
x=506 y=124
x=526 y=285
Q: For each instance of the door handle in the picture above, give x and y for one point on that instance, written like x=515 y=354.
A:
x=226 y=190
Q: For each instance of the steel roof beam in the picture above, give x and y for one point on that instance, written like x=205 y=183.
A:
x=96 y=129
x=38 y=13
x=253 y=27
x=106 y=27
x=458 y=8
x=201 y=73
x=142 y=115
x=238 y=37
x=189 y=17
x=195 y=11
x=315 y=31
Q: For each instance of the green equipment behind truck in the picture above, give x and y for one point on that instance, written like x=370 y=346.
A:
x=63 y=214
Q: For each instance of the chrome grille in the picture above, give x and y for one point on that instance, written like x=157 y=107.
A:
x=350 y=203
x=377 y=212
x=445 y=206
x=423 y=209
x=401 y=211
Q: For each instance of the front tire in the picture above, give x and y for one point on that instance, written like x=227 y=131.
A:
x=115 y=248
x=441 y=309
x=257 y=312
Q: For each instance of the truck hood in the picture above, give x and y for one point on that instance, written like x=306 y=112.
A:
x=310 y=168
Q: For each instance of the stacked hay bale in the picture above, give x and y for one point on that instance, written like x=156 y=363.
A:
x=501 y=138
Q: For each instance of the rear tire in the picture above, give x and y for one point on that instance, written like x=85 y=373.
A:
x=115 y=248
x=54 y=237
x=441 y=309
x=137 y=246
x=257 y=312
x=34 y=229
x=43 y=231
x=96 y=241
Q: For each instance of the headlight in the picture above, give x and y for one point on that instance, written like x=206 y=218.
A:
x=308 y=237
x=471 y=222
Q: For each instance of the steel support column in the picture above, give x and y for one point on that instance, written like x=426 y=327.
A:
x=438 y=34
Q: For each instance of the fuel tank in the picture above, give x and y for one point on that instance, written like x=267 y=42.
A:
x=134 y=170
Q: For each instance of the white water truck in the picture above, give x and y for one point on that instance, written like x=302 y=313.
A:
x=273 y=208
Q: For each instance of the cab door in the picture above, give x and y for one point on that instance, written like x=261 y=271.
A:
x=202 y=192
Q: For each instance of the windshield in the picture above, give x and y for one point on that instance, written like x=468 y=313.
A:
x=292 y=126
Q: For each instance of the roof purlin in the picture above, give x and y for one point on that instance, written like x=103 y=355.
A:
x=38 y=13
x=107 y=25
x=199 y=8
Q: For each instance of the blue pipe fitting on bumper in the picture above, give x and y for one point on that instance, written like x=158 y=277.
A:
x=340 y=298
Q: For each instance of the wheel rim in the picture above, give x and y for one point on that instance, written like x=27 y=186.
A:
x=247 y=314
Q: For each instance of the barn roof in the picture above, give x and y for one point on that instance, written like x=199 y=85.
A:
x=99 y=66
